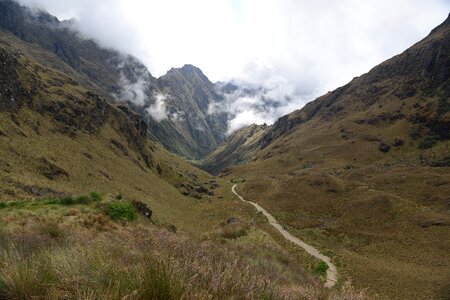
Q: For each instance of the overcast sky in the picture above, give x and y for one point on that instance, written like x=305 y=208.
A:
x=298 y=48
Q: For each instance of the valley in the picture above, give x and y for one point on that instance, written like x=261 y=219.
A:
x=105 y=195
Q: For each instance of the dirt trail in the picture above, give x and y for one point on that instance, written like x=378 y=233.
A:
x=331 y=272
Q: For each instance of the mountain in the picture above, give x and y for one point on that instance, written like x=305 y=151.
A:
x=235 y=149
x=186 y=127
x=190 y=130
x=363 y=173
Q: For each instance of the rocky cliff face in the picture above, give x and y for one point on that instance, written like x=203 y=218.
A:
x=190 y=129
x=11 y=94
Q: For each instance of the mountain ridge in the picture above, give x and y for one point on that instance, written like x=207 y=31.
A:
x=109 y=72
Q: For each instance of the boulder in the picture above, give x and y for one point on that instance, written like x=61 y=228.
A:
x=142 y=208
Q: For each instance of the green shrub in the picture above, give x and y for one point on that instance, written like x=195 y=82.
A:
x=321 y=268
x=17 y=204
x=52 y=201
x=3 y=205
x=68 y=200
x=120 y=211
x=83 y=200
x=96 y=197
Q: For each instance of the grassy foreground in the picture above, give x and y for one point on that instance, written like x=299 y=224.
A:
x=60 y=249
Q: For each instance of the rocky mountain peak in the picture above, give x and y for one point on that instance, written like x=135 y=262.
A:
x=187 y=74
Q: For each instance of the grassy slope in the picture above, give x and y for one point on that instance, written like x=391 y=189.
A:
x=234 y=150
x=382 y=216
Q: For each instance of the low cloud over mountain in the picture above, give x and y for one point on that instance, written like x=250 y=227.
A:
x=289 y=50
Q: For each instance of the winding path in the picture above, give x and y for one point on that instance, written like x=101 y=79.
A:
x=331 y=271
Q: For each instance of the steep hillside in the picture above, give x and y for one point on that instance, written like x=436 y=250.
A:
x=184 y=125
x=58 y=137
x=98 y=66
x=363 y=173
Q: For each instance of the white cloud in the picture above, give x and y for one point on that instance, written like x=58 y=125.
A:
x=132 y=91
x=158 y=110
x=295 y=48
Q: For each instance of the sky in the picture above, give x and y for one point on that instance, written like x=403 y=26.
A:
x=295 y=50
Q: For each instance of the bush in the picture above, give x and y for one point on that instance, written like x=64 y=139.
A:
x=96 y=197
x=321 y=268
x=120 y=211
x=69 y=200
x=83 y=200
x=3 y=205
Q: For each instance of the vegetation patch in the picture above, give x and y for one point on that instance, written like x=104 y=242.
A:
x=52 y=229
x=80 y=200
x=120 y=211
x=442 y=162
x=65 y=201
x=429 y=141
x=321 y=268
x=443 y=106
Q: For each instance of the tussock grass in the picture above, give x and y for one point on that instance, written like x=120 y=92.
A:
x=231 y=231
x=137 y=262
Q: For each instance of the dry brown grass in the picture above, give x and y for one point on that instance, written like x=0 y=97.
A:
x=141 y=261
